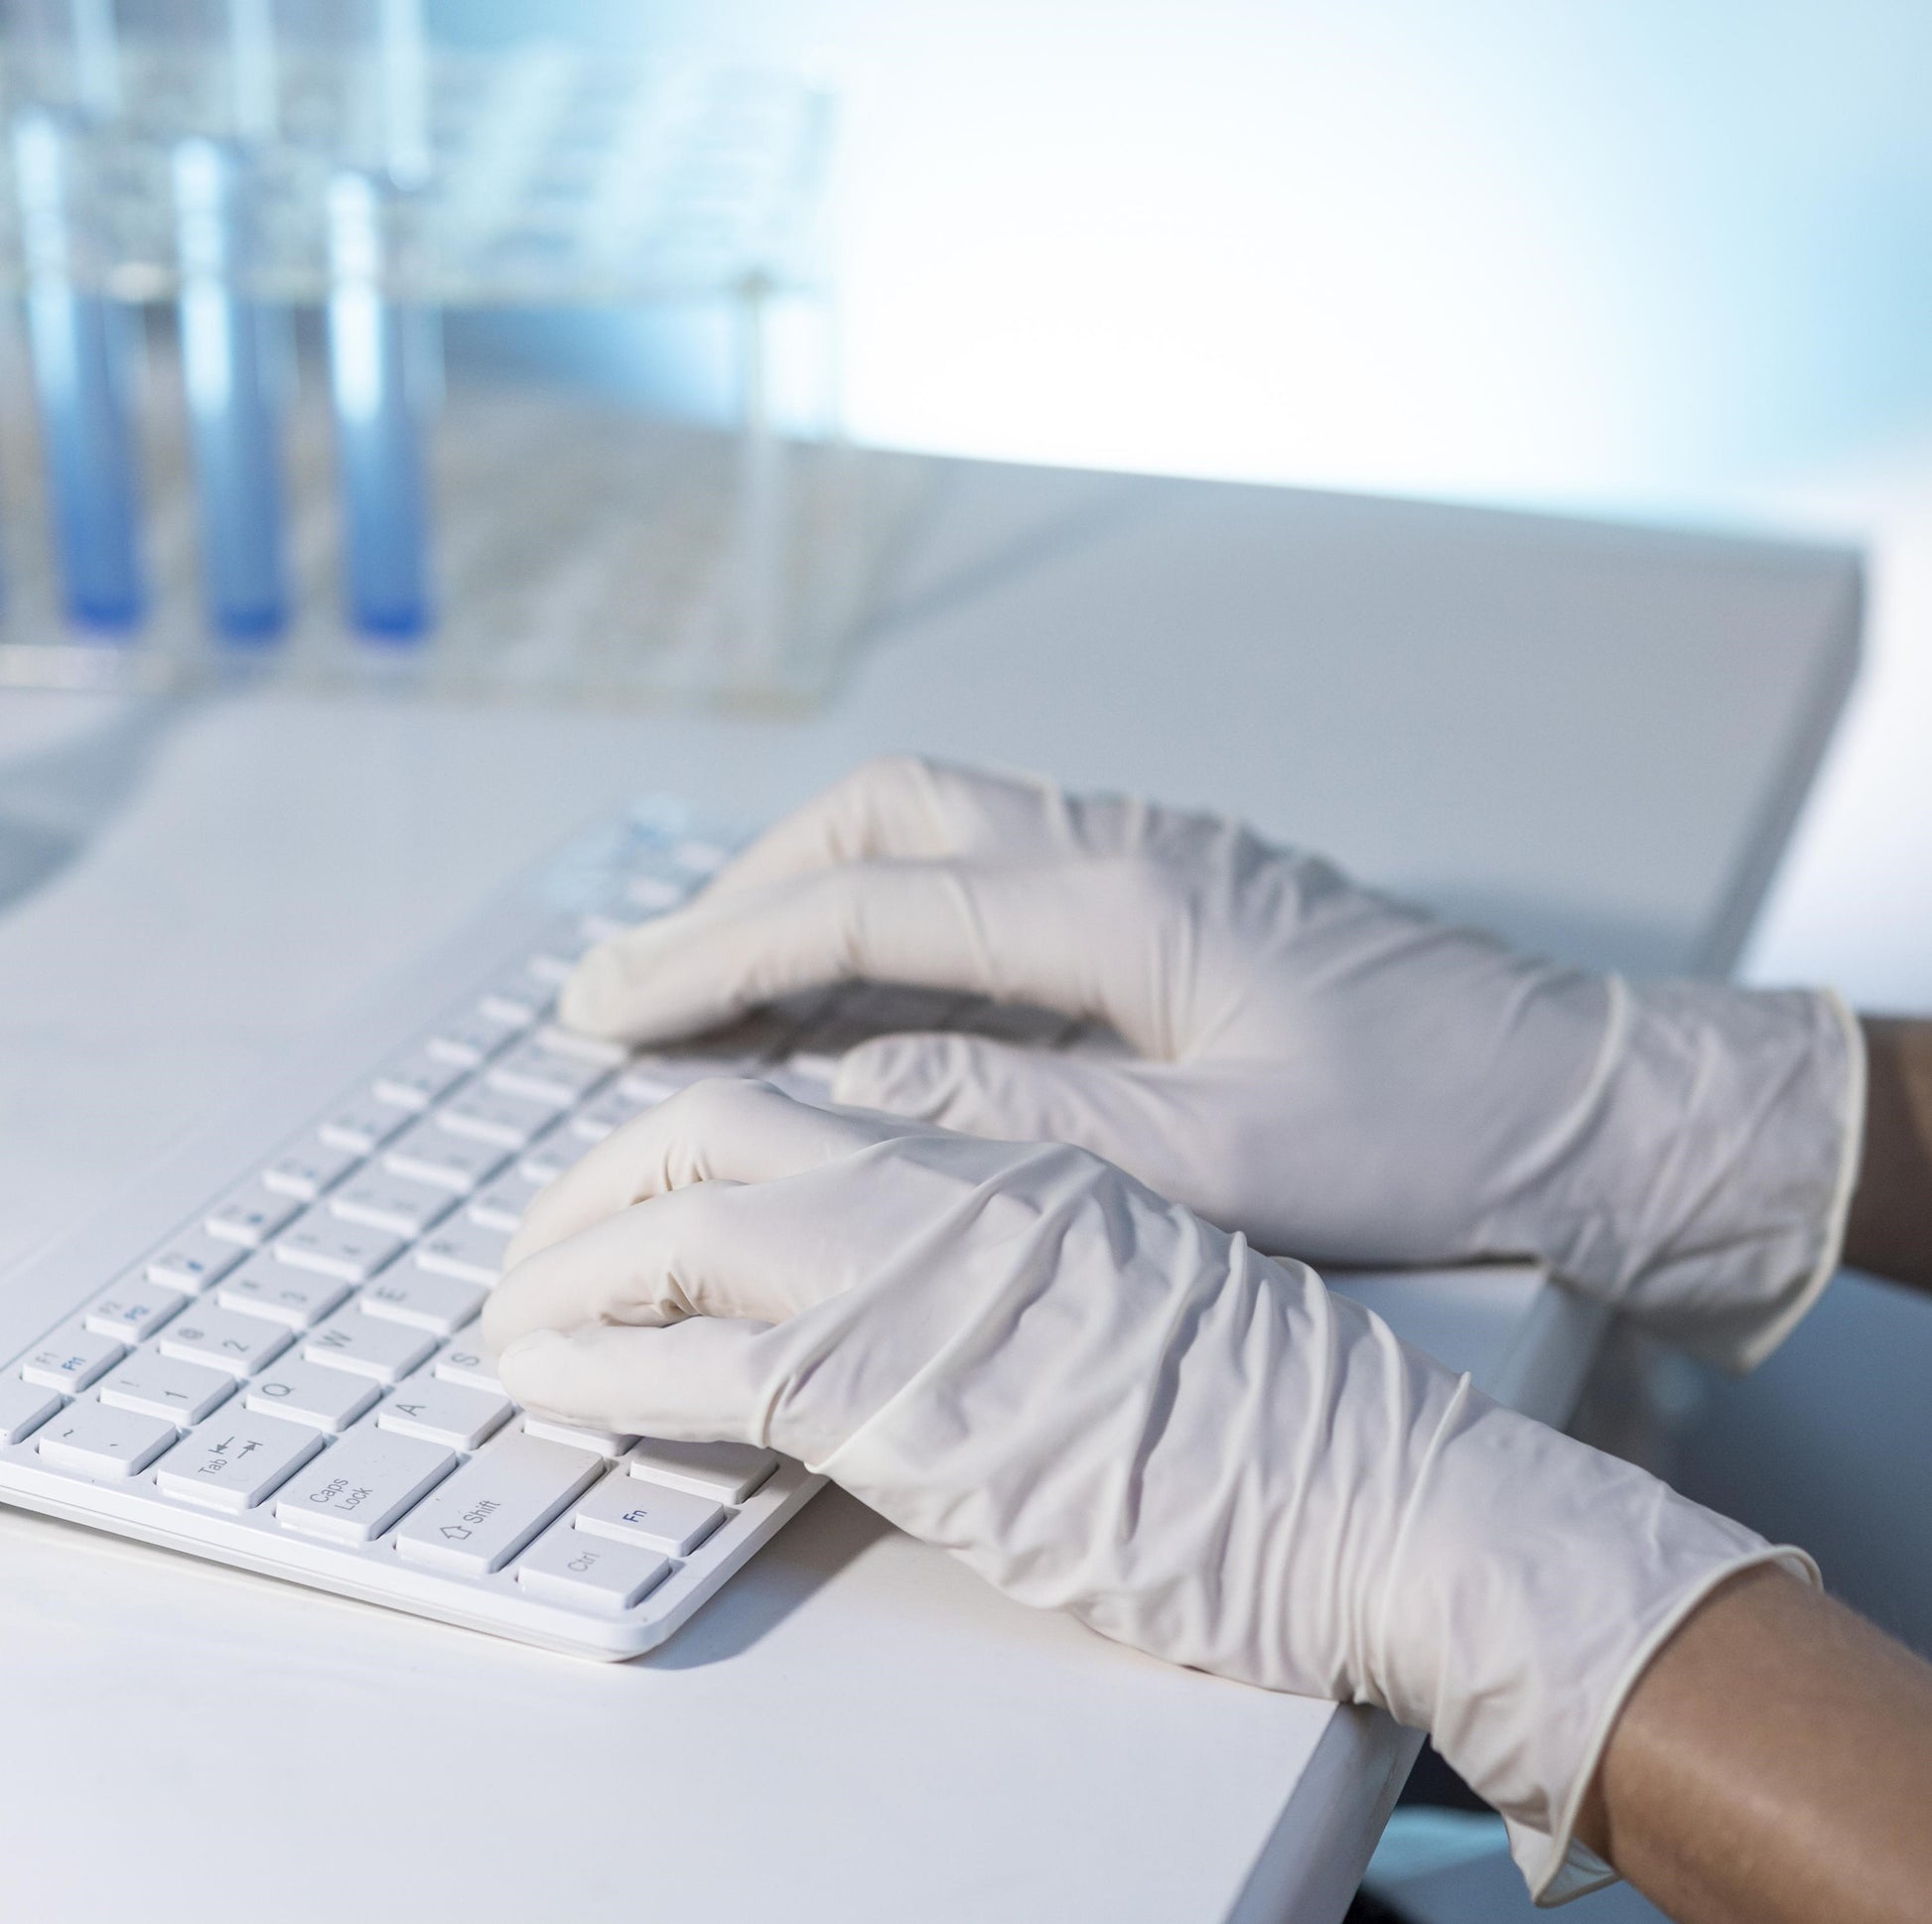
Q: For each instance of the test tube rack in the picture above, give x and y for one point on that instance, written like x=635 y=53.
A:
x=200 y=481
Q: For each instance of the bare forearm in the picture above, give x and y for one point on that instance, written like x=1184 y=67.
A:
x=1890 y=1228
x=1771 y=1767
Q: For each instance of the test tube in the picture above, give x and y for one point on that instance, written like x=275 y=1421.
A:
x=382 y=347
x=380 y=376
x=81 y=345
x=231 y=367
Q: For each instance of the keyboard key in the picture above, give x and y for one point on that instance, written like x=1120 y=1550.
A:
x=236 y=1462
x=158 y=1386
x=406 y=1294
x=223 y=1339
x=364 y=1125
x=605 y=1442
x=697 y=857
x=417 y=1080
x=590 y=1049
x=367 y=1347
x=672 y=1522
x=70 y=1360
x=24 y=1406
x=132 y=1307
x=324 y=1399
x=468 y=1251
x=586 y=1573
x=102 y=1442
x=429 y=1152
x=537 y=1067
x=251 y=1215
x=604 y=1114
x=193 y=1260
x=445 y=1413
x=727 y=1473
x=491 y=1116
x=502 y=1205
x=471 y=1037
x=495 y=1504
x=654 y=893
x=361 y=1485
x=392 y=1203
x=323 y=1242
x=598 y=927
x=561 y=1149
x=521 y=998
x=459 y=1364
x=266 y=1287
x=560 y=955
x=308 y=1168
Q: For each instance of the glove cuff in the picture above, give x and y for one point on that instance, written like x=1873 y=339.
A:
x=1709 y=1166
x=1532 y=1582
x=1556 y=1865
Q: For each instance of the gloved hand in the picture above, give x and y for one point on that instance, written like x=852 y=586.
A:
x=1101 y=1404
x=1337 y=1074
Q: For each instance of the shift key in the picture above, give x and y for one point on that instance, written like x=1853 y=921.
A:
x=491 y=1507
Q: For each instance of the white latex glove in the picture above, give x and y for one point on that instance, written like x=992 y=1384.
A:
x=1337 y=1074
x=1102 y=1404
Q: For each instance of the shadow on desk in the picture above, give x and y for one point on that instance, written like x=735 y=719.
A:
x=830 y=1534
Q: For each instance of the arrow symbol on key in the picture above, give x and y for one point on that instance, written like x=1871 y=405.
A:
x=455 y=1531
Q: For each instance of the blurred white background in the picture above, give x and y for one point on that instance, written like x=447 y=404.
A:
x=1631 y=253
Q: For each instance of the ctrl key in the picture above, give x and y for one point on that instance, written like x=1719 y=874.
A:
x=576 y=1570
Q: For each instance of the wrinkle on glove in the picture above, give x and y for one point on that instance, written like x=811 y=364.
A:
x=1104 y=1404
x=1330 y=1071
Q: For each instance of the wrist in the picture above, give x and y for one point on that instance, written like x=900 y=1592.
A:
x=1890 y=1223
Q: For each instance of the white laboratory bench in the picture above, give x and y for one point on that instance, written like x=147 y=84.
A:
x=1592 y=738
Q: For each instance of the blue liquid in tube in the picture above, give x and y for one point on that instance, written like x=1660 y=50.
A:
x=233 y=360
x=82 y=346
x=378 y=350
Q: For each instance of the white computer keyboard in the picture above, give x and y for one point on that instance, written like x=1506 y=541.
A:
x=267 y=1354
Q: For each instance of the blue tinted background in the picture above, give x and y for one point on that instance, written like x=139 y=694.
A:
x=1636 y=253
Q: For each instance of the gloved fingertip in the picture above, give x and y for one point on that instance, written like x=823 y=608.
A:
x=592 y=1000
x=508 y=1320
x=529 y=1344
x=905 y=1075
x=528 y=1367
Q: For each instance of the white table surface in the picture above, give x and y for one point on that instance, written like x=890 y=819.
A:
x=857 y=1730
